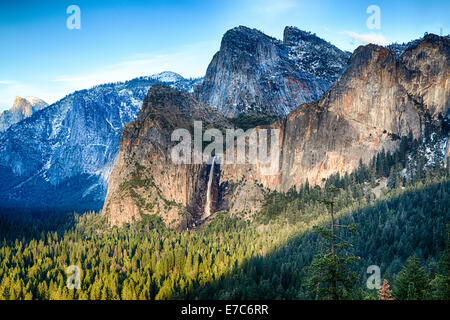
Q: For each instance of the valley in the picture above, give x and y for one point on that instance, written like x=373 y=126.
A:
x=337 y=163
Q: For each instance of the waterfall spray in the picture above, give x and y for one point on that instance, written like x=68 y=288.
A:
x=207 y=212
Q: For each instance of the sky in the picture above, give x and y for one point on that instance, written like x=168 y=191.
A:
x=120 y=40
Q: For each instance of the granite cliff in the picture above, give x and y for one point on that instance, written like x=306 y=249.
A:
x=379 y=98
x=255 y=74
x=145 y=180
x=21 y=109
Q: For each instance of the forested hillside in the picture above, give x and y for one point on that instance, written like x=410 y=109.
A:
x=403 y=228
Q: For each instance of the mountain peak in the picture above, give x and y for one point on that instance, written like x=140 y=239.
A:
x=243 y=30
x=254 y=73
x=244 y=40
x=22 y=108
x=171 y=108
x=162 y=101
x=363 y=53
x=18 y=100
x=167 y=76
x=35 y=101
x=431 y=39
x=21 y=105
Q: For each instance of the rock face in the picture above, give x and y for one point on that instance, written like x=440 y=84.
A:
x=61 y=157
x=145 y=179
x=376 y=98
x=379 y=97
x=256 y=74
x=21 y=109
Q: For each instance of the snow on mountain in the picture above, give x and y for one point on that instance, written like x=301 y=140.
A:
x=254 y=73
x=37 y=103
x=61 y=156
x=314 y=55
x=176 y=81
x=167 y=76
x=400 y=48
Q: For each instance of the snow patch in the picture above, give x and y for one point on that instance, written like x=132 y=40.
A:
x=167 y=76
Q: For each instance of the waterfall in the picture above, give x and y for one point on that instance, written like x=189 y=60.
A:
x=207 y=212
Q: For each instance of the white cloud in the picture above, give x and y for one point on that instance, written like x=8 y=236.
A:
x=6 y=82
x=367 y=38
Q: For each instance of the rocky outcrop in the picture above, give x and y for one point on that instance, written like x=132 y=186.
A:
x=256 y=74
x=145 y=179
x=376 y=99
x=21 y=109
x=424 y=74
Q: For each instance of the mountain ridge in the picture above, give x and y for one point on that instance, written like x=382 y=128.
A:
x=60 y=158
x=377 y=100
x=256 y=74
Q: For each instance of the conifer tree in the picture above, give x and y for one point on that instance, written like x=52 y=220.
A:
x=412 y=282
x=331 y=274
x=440 y=285
x=385 y=293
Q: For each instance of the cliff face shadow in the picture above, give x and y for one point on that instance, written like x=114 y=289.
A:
x=32 y=224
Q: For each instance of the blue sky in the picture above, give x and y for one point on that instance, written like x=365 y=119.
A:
x=120 y=40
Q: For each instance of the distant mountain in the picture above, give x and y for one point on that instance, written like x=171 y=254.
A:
x=175 y=81
x=167 y=76
x=257 y=74
x=21 y=109
x=61 y=156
